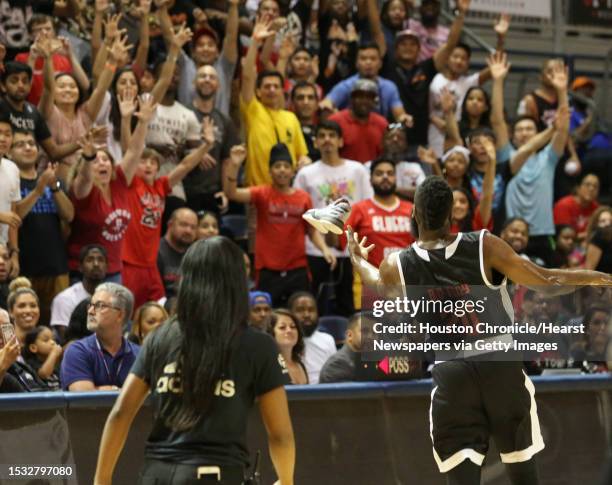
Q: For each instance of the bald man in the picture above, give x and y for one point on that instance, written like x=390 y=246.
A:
x=181 y=233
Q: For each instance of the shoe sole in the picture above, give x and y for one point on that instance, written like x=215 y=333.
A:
x=322 y=225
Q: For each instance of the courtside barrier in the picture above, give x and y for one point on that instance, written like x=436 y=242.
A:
x=353 y=433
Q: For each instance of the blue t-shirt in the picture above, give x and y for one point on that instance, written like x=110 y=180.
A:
x=87 y=360
x=599 y=140
x=388 y=95
x=530 y=193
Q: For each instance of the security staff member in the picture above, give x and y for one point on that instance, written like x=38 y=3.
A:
x=204 y=369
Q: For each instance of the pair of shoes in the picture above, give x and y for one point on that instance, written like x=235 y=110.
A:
x=330 y=218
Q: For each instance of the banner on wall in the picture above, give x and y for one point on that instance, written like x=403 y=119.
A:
x=524 y=8
x=590 y=12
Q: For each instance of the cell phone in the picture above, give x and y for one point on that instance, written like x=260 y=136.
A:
x=7 y=333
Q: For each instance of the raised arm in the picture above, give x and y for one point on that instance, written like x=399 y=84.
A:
x=500 y=256
x=441 y=55
x=130 y=160
x=232 y=167
x=114 y=53
x=143 y=10
x=501 y=27
x=499 y=67
x=127 y=108
x=261 y=32
x=191 y=161
x=130 y=400
x=558 y=79
x=178 y=41
x=523 y=153
x=451 y=127
x=230 y=41
x=100 y=7
x=488 y=182
x=77 y=71
x=83 y=182
x=111 y=34
x=376 y=26
x=428 y=156
x=45 y=105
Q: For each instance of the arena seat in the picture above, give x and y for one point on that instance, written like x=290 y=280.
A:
x=335 y=326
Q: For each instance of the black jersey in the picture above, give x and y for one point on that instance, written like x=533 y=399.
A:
x=546 y=111
x=219 y=437
x=453 y=276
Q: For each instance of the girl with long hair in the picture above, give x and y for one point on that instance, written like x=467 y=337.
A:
x=205 y=368
x=146 y=319
x=289 y=336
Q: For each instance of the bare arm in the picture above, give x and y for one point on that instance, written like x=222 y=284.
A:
x=230 y=41
x=130 y=400
x=142 y=52
x=77 y=71
x=559 y=79
x=275 y=416
x=57 y=152
x=261 y=32
x=130 y=160
x=441 y=56
x=529 y=148
x=376 y=26
x=488 y=182
x=500 y=256
x=48 y=368
x=499 y=66
x=593 y=256
x=45 y=105
x=190 y=162
x=230 y=177
x=178 y=41
x=451 y=127
x=319 y=241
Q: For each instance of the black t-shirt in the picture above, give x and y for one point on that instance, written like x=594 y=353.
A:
x=603 y=240
x=168 y=264
x=42 y=249
x=200 y=181
x=219 y=437
x=29 y=119
x=52 y=382
x=413 y=86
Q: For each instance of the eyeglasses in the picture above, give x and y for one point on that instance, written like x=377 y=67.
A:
x=100 y=305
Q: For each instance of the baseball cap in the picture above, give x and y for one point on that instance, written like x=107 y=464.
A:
x=205 y=31
x=406 y=33
x=365 y=86
x=581 y=82
x=259 y=297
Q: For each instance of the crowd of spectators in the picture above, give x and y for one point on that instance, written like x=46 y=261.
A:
x=129 y=130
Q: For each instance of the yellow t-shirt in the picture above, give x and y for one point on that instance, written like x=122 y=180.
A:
x=264 y=129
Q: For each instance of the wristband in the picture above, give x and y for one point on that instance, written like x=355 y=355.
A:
x=111 y=67
x=88 y=159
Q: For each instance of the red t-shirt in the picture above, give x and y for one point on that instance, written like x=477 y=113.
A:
x=388 y=228
x=362 y=141
x=567 y=210
x=477 y=223
x=97 y=222
x=279 y=240
x=61 y=63
x=146 y=206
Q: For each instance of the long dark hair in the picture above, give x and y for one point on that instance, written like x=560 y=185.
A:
x=297 y=352
x=213 y=308
x=466 y=224
x=485 y=118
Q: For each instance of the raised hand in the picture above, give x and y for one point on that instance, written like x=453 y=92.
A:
x=143 y=9
x=427 y=155
x=287 y=46
x=127 y=102
x=463 y=5
x=489 y=148
x=119 y=50
x=357 y=249
x=9 y=354
x=99 y=134
x=502 y=24
x=351 y=32
x=238 y=154
x=111 y=27
x=87 y=144
x=498 y=65
x=278 y=24
x=182 y=36
x=101 y=6
x=558 y=77
x=262 y=30
x=147 y=107
x=447 y=100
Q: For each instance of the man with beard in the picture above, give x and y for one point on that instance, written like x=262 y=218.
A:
x=305 y=102
x=280 y=251
x=362 y=128
x=205 y=52
x=102 y=361
x=181 y=233
x=93 y=264
x=203 y=187
x=319 y=346
x=385 y=218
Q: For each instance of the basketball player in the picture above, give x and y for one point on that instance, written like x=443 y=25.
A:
x=471 y=400
x=204 y=369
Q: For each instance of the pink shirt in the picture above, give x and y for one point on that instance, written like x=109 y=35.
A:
x=431 y=39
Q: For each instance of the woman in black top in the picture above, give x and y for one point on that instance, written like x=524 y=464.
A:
x=204 y=369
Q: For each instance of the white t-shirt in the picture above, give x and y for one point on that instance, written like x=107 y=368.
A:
x=9 y=191
x=409 y=175
x=459 y=87
x=65 y=302
x=318 y=348
x=325 y=184
x=103 y=119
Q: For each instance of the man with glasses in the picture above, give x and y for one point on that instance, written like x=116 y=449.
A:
x=103 y=360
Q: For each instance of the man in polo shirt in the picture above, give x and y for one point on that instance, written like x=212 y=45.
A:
x=362 y=128
x=103 y=360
